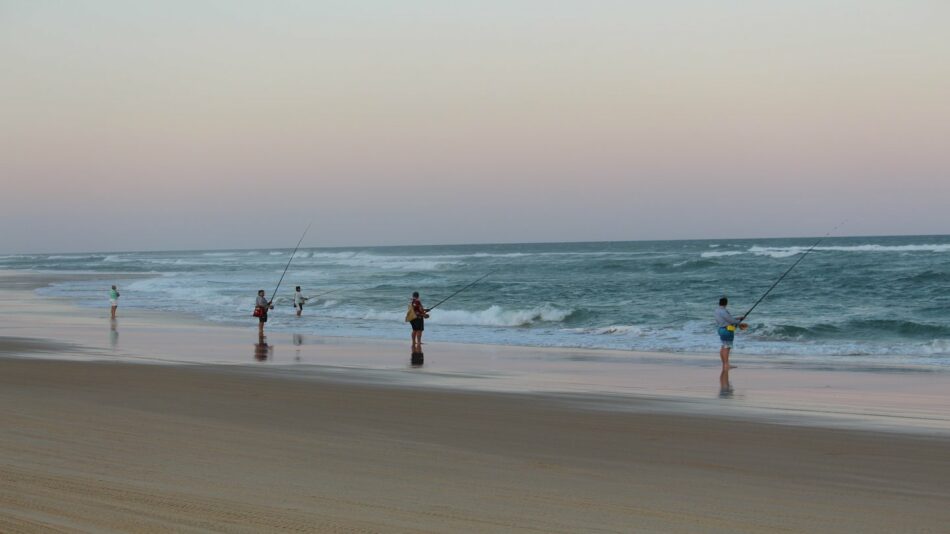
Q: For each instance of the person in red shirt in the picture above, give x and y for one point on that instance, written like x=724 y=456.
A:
x=418 y=323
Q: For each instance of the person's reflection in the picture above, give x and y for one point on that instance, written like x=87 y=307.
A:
x=113 y=333
x=725 y=387
x=298 y=341
x=262 y=351
x=416 y=358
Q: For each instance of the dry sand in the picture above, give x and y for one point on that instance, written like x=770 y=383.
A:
x=104 y=446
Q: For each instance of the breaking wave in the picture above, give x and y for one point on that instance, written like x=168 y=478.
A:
x=496 y=316
x=784 y=252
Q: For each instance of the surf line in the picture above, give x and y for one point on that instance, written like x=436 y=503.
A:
x=460 y=290
x=273 y=296
x=780 y=278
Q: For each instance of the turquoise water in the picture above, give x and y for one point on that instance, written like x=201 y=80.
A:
x=852 y=300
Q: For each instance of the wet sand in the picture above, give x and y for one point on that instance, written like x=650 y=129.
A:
x=97 y=445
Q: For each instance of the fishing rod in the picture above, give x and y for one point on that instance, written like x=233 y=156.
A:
x=780 y=278
x=459 y=291
x=274 y=294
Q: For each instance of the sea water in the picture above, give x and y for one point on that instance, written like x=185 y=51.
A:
x=851 y=301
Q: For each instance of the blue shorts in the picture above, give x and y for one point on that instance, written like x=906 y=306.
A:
x=726 y=336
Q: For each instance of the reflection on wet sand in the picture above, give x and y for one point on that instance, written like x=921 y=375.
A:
x=725 y=387
x=113 y=333
x=298 y=341
x=416 y=358
x=262 y=351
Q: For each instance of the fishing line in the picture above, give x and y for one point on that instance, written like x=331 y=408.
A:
x=324 y=293
x=769 y=290
x=274 y=294
x=460 y=290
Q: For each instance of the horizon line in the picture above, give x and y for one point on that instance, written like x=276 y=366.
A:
x=509 y=243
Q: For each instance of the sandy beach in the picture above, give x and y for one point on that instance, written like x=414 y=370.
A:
x=175 y=427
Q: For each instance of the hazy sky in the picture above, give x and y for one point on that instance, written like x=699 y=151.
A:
x=133 y=125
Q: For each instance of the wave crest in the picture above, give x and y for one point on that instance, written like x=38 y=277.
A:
x=721 y=253
x=497 y=316
x=784 y=252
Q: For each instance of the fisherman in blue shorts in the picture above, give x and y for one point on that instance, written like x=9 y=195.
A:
x=727 y=324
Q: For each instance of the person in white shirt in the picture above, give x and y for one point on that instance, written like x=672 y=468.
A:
x=299 y=300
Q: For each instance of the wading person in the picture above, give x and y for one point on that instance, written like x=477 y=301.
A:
x=299 y=299
x=260 y=311
x=114 y=299
x=727 y=324
x=416 y=316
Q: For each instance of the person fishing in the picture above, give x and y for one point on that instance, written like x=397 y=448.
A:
x=262 y=304
x=299 y=301
x=726 y=325
x=260 y=311
x=416 y=316
x=113 y=300
x=416 y=313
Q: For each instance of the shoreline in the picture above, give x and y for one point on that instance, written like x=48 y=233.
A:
x=10 y=279
x=913 y=401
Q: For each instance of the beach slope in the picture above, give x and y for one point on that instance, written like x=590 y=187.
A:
x=116 y=446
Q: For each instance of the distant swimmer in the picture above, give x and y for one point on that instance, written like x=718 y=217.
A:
x=727 y=331
x=260 y=311
x=299 y=301
x=416 y=316
x=114 y=299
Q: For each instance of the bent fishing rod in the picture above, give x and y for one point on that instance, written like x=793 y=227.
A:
x=459 y=291
x=274 y=294
x=780 y=278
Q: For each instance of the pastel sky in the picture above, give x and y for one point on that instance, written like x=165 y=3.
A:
x=132 y=125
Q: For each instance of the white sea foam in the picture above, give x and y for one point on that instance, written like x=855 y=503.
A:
x=498 y=316
x=613 y=330
x=375 y=261
x=116 y=258
x=491 y=316
x=396 y=263
x=721 y=253
x=784 y=252
x=937 y=347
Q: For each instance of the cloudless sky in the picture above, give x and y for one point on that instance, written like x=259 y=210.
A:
x=129 y=125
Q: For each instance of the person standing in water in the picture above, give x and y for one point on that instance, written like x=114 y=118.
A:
x=114 y=299
x=727 y=324
x=260 y=311
x=299 y=299
x=416 y=316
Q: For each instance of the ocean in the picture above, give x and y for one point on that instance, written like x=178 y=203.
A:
x=852 y=301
